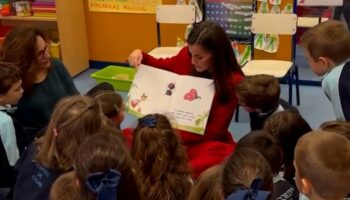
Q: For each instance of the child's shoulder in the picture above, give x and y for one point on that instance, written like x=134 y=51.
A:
x=285 y=190
x=5 y=119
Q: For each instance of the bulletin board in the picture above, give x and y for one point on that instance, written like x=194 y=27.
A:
x=235 y=17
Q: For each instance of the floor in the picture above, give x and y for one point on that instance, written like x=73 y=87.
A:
x=314 y=107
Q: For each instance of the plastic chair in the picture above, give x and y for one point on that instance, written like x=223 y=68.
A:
x=172 y=14
x=280 y=24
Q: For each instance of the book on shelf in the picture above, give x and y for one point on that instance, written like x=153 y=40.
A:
x=185 y=100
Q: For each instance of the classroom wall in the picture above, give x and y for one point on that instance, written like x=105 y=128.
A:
x=112 y=36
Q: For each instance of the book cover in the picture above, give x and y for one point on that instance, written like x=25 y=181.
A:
x=185 y=100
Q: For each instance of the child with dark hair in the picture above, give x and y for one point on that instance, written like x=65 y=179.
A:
x=260 y=96
x=246 y=175
x=208 y=185
x=287 y=127
x=322 y=163
x=11 y=134
x=265 y=144
x=161 y=158
x=105 y=169
x=111 y=105
x=74 y=119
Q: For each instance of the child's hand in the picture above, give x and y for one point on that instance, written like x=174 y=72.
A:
x=135 y=58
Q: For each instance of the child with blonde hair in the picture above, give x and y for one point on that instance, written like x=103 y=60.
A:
x=74 y=119
x=208 y=185
x=322 y=164
x=327 y=50
x=161 y=158
x=246 y=176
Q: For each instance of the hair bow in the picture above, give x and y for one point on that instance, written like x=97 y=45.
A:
x=149 y=121
x=252 y=193
x=105 y=185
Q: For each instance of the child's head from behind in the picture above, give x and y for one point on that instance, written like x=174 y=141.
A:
x=264 y=144
x=158 y=152
x=104 y=167
x=287 y=127
x=10 y=84
x=111 y=105
x=156 y=144
x=259 y=93
x=65 y=187
x=326 y=45
x=322 y=163
x=242 y=168
x=208 y=185
x=73 y=120
x=340 y=127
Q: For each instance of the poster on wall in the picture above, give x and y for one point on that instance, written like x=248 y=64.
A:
x=124 y=6
x=233 y=15
x=320 y=2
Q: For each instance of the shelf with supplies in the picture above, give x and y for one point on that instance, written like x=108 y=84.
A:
x=31 y=18
x=71 y=34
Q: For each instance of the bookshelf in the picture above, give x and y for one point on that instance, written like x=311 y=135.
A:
x=68 y=27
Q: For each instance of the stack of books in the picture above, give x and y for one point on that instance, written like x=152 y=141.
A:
x=44 y=8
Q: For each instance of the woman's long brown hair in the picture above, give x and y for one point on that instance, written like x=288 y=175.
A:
x=19 y=47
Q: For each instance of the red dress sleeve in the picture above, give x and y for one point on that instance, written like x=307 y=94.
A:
x=179 y=64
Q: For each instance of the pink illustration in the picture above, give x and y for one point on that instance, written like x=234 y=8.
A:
x=191 y=95
x=136 y=102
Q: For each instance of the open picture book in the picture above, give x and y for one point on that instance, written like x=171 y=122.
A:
x=185 y=100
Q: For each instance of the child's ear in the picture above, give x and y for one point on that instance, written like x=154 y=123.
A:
x=326 y=62
x=77 y=182
x=306 y=186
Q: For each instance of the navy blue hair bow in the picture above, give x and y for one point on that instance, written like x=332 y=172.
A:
x=105 y=185
x=149 y=121
x=252 y=193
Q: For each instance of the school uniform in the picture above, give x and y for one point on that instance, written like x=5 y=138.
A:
x=34 y=181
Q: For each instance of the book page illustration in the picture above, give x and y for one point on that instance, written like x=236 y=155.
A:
x=190 y=106
x=185 y=100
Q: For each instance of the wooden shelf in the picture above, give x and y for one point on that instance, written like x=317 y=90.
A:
x=43 y=19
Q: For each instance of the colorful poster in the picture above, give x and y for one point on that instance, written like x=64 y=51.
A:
x=233 y=15
x=124 y=6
